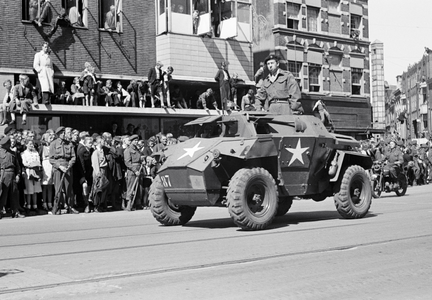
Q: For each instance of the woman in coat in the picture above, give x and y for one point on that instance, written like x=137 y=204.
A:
x=100 y=171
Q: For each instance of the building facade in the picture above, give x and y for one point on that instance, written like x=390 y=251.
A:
x=123 y=40
x=325 y=44
x=416 y=85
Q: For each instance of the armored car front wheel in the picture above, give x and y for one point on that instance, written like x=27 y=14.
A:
x=252 y=198
x=165 y=212
x=355 y=195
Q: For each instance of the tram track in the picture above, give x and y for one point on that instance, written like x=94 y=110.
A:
x=193 y=267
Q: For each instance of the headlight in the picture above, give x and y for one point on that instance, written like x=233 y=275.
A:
x=216 y=153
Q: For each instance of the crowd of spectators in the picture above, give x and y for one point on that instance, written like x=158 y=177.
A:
x=417 y=159
x=68 y=171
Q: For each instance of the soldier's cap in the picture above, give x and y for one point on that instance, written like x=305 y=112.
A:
x=270 y=57
x=133 y=137
x=5 y=140
x=60 y=130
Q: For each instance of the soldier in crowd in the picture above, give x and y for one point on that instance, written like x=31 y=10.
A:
x=281 y=91
x=9 y=177
x=62 y=158
x=133 y=162
x=117 y=169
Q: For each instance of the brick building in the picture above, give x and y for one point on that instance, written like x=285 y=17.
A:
x=142 y=33
x=325 y=44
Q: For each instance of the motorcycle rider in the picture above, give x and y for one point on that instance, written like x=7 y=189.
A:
x=394 y=157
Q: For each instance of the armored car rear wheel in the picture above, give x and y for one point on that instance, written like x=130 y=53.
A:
x=165 y=212
x=355 y=196
x=252 y=198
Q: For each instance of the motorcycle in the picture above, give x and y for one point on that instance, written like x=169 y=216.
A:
x=382 y=181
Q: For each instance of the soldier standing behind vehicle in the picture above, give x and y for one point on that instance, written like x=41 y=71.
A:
x=62 y=158
x=280 y=89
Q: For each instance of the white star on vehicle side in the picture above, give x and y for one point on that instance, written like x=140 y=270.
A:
x=297 y=153
x=191 y=151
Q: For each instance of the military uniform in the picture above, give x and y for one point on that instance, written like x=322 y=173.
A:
x=280 y=92
x=132 y=159
x=62 y=153
x=10 y=168
x=393 y=155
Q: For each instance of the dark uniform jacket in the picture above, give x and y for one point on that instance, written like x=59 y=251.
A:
x=62 y=153
x=9 y=161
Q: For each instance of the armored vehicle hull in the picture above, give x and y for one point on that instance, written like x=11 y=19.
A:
x=256 y=164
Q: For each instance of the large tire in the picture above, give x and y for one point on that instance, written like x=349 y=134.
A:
x=252 y=198
x=403 y=184
x=355 y=196
x=165 y=212
x=284 y=206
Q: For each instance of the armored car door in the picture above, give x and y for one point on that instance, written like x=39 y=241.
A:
x=295 y=155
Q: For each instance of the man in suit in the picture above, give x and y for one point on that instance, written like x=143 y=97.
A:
x=24 y=96
x=155 y=79
x=223 y=78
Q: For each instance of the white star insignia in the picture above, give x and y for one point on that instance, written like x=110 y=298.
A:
x=297 y=153
x=191 y=151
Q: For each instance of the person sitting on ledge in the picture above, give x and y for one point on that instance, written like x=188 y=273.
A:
x=23 y=97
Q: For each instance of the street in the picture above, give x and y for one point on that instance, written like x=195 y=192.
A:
x=310 y=253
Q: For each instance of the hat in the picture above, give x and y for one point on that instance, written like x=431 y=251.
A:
x=133 y=137
x=4 y=140
x=271 y=56
x=60 y=130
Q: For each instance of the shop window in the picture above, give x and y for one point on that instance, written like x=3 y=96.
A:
x=110 y=15
x=356 y=81
x=314 y=78
x=312 y=19
x=76 y=11
x=37 y=11
x=293 y=12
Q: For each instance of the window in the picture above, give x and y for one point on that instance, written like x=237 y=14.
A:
x=293 y=11
x=312 y=19
x=110 y=15
x=355 y=26
x=335 y=59
x=295 y=68
x=356 y=79
x=333 y=6
x=181 y=7
x=38 y=11
x=314 y=77
x=76 y=11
